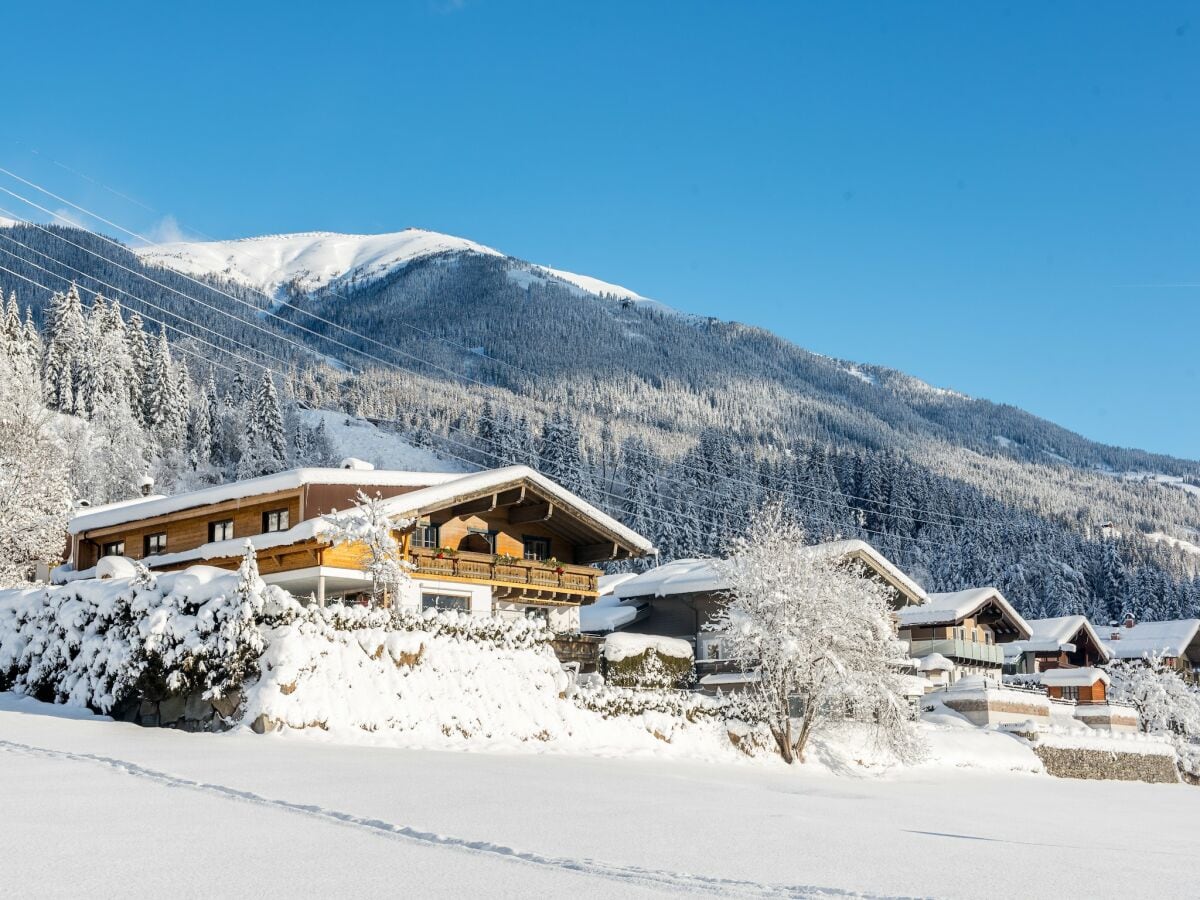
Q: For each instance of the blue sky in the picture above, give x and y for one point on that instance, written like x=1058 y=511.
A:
x=999 y=199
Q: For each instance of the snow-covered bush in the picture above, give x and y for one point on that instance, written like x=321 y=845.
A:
x=822 y=636
x=647 y=661
x=101 y=644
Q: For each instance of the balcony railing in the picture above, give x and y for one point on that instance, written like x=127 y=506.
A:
x=489 y=567
x=954 y=648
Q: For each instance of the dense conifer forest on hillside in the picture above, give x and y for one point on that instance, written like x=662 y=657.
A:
x=679 y=425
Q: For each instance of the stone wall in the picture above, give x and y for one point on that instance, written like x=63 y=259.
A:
x=191 y=713
x=1077 y=762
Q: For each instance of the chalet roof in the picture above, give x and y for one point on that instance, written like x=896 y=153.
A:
x=432 y=490
x=1083 y=677
x=1147 y=639
x=479 y=484
x=146 y=508
x=947 y=609
x=1055 y=635
x=687 y=576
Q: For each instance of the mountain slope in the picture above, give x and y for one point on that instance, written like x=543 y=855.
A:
x=682 y=425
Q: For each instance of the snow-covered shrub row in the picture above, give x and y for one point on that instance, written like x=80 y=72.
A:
x=613 y=700
x=100 y=644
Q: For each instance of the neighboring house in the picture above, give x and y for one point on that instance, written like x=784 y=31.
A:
x=1064 y=642
x=508 y=540
x=966 y=627
x=1176 y=642
x=682 y=598
x=1083 y=685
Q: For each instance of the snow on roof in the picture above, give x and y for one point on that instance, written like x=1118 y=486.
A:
x=622 y=644
x=145 y=508
x=1054 y=635
x=1084 y=677
x=609 y=583
x=686 y=576
x=934 y=662
x=445 y=491
x=950 y=607
x=1147 y=639
x=597 y=618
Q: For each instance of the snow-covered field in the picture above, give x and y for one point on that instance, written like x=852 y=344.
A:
x=92 y=807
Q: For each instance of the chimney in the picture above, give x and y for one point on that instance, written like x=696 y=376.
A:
x=146 y=485
x=1130 y=621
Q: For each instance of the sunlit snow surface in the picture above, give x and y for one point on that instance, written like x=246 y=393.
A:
x=103 y=808
x=321 y=259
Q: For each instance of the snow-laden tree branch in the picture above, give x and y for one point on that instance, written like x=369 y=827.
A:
x=1166 y=704
x=368 y=529
x=821 y=638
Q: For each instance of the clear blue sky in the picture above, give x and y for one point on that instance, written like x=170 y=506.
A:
x=997 y=198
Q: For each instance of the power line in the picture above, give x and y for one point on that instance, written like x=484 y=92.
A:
x=468 y=350
x=680 y=463
x=133 y=297
x=96 y=293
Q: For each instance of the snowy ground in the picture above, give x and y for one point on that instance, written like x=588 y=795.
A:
x=91 y=807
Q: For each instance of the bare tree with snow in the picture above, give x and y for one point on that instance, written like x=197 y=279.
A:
x=368 y=528
x=819 y=636
x=35 y=492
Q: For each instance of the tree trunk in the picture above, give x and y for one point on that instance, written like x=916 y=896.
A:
x=805 y=729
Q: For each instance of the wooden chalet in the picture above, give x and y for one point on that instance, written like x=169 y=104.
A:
x=682 y=598
x=1175 y=642
x=966 y=627
x=1063 y=642
x=506 y=541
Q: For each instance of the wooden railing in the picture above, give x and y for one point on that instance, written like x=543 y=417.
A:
x=489 y=567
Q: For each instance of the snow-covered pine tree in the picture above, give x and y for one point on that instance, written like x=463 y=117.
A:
x=67 y=333
x=820 y=635
x=140 y=357
x=266 y=443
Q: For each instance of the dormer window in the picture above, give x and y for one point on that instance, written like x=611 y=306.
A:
x=275 y=520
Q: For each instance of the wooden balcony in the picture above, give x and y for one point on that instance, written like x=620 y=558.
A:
x=521 y=577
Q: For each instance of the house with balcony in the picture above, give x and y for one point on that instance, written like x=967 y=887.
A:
x=682 y=599
x=1063 y=642
x=504 y=541
x=1176 y=643
x=968 y=628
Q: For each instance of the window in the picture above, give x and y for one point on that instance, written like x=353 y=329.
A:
x=275 y=520
x=113 y=548
x=538 y=614
x=427 y=535
x=444 y=602
x=154 y=543
x=221 y=531
x=1070 y=692
x=536 y=547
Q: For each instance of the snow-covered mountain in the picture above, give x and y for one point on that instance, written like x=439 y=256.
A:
x=318 y=260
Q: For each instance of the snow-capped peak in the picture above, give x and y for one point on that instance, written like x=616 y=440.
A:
x=319 y=259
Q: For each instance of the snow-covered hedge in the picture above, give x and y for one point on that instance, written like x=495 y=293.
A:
x=101 y=644
x=647 y=660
